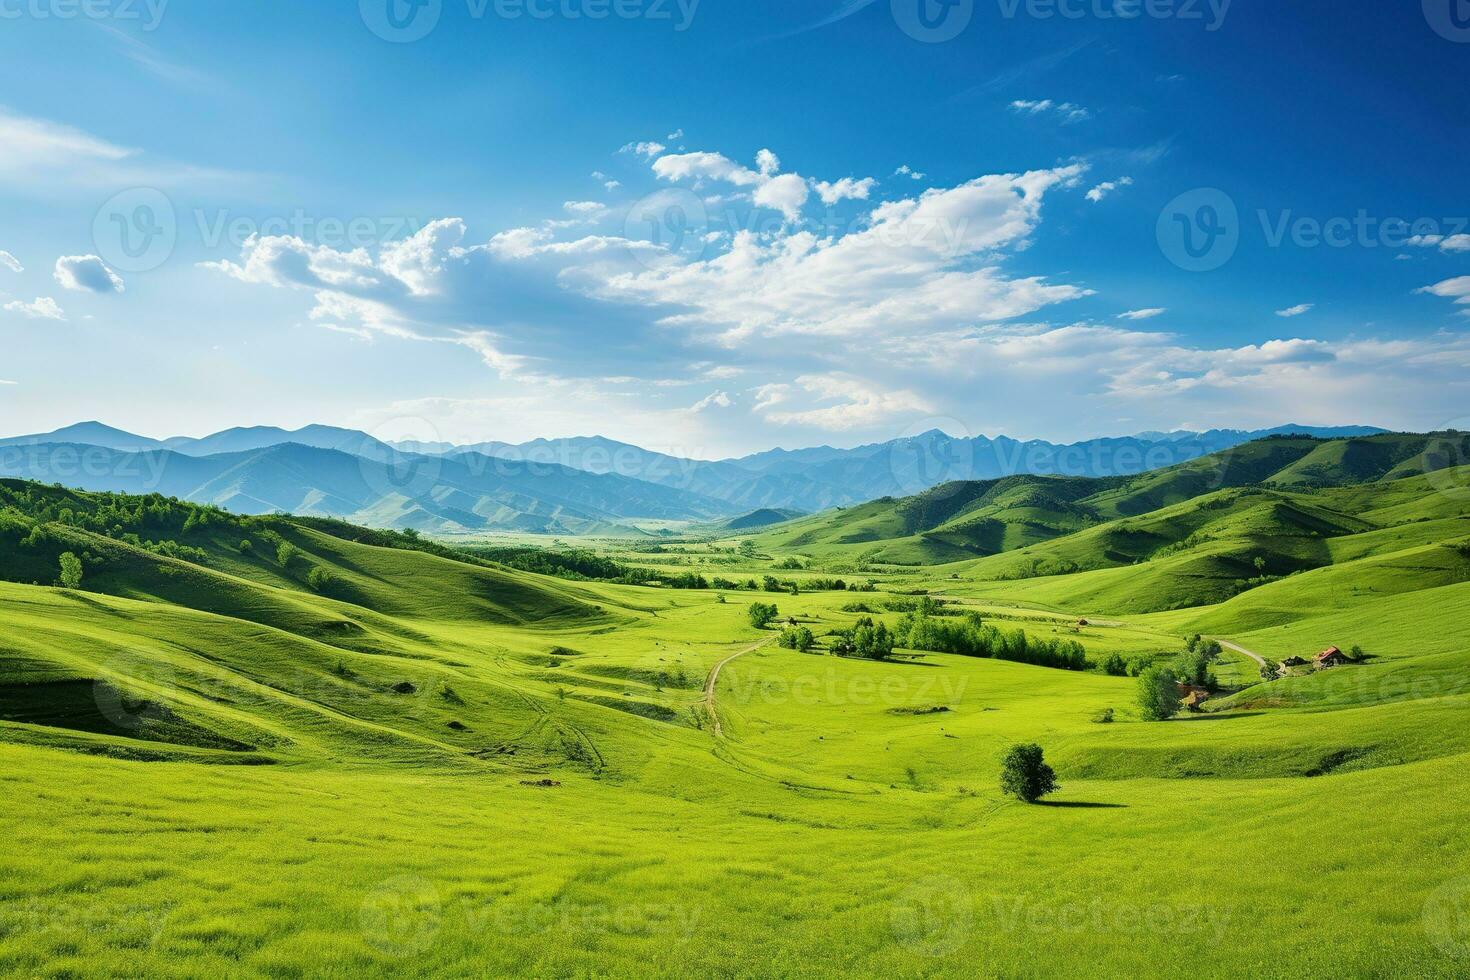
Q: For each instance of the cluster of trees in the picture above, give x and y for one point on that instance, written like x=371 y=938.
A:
x=577 y=564
x=924 y=605
x=109 y=514
x=875 y=641
x=797 y=638
x=973 y=637
x=762 y=614
x=1158 y=694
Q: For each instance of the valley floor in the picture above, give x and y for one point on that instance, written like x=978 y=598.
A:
x=423 y=765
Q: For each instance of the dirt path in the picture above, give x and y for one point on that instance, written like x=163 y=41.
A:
x=1240 y=649
x=714 y=679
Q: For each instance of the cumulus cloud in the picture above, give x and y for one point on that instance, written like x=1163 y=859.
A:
x=786 y=193
x=1067 y=111
x=846 y=189
x=44 y=308
x=647 y=148
x=1297 y=310
x=835 y=401
x=10 y=262
x=1445 y=243
x=918 y=308
x=904 y=170
x=703 y=165
x=918 y=265
x=86 y=274
x=1457 y=289
x=1107 y=187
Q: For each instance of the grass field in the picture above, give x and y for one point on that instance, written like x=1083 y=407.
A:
x=222 y=761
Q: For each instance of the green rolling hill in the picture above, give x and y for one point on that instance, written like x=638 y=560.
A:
x=272 y=741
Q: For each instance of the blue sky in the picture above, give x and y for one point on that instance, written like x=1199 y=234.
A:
x=716 y=227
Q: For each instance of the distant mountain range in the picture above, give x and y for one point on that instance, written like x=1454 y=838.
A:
x=585 y=485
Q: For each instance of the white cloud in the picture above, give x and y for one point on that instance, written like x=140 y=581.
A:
x=1107 y=187
x=584 y=207
x=846 y=189
x=647 y=148
x=86 y=274
x=1457 y=289
x=1297 y=310
x=836 y=401
x=718 y=399
x=10 y=262
x=921 y=264
x=1068 y=111
x=904 y=170
x=767 y=163
x=701 y=165
x=44 y=308
x=1445 y=243
x=786 y=193
x=37 y=143
x=38 y=151
x=1147 y=314
x=675 y=136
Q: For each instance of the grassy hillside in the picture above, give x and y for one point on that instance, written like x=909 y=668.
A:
x=344 y=751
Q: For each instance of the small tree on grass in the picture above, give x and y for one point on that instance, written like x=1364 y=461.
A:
x=762 y=614
x=1268 y=673
x=1158 y=694
x=71 y=571
x=1025 y=775
x=319 y=579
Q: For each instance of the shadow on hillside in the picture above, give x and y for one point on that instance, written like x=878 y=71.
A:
x=1080 y=805
x=1219 y=716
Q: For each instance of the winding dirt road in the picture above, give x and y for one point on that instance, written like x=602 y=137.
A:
x=714 y=680
x=1240 y=649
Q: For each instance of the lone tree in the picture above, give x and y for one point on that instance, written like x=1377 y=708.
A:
x=762 y=614
x=1025 y=775
x=1158 y=694
x=71 y=571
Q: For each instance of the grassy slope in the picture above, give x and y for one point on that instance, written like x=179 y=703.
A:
x=389 y=830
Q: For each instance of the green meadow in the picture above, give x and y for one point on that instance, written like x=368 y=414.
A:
x=278 y=746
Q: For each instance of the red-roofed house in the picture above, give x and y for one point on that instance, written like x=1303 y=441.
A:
x=1331 y=657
